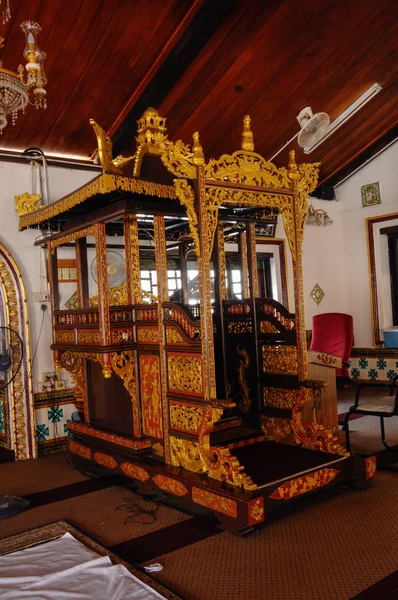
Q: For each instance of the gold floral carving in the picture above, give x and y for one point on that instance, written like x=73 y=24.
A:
x=280 y=430
x=215 y=502
x=327 y=359
x=148 y=297
x=185 y=418
x=185 y=373
x=108 y=164
x=247 y=168
x=244 y=264
x=256 y=511
x=105 y=460
x=268 y=327
x=80 y=450
x=158 y=449
x=88 y=337
x=244 y=401
x=19 y=391
x=120 y=336
x=177 y=157
x=170 y=485
x=240 y=327
x=225 y=196
x=371 y=467
x=64 y=337
x=123 y=366
x=147 y=335
x=222 y=267
x=304 y=484
x=70 y=237
x=186 y=197
x=280 y=397
x=134 y=471
x=151 y=134
x=292 y=431
x=26 y=203
x=73 y=363
x=102 y=184
x=280 y=359
x=199 y=457
x=174 y=337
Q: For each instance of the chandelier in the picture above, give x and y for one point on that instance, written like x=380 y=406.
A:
x=15 y=92
x=317 y=217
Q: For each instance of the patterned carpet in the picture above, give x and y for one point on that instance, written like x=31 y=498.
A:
x=332 y=550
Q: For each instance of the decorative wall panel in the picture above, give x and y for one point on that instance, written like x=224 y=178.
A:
x=150 y=395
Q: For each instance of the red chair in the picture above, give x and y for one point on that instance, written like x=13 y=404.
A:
x=333 y=333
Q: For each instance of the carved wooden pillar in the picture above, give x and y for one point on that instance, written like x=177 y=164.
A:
x=132 y=254
x=163 y=296
x=244 y=264
x=82 y=273
x=206 y=317
x=252 y=260
x=102 y=278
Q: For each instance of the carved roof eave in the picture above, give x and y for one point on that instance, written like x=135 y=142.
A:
x=102 y=184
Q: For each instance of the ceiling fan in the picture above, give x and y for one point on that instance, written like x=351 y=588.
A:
x=313 y=127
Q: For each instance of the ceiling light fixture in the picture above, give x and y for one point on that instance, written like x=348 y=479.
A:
x=15 y=93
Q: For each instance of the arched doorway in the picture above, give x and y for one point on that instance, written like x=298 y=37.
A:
x=16 y=419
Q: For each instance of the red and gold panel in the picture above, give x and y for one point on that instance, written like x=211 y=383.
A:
x=65 y=336
x=80 y=450
x=88 y=337
x=256 y=511
x=150 y=395
x=185 y=417
x=175 y=337
x=218 y=503
x=185 y=374
x=120 y=336
x=170 y=485
x=105 y=460
x=371 y=467
x=147 y=335
x=134 y=471
x=304 y=484
x=109 y=437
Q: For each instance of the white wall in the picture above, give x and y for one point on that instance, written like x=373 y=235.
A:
x=383 y=169
x=15 y=179
x=323 y=264
x=336 y=256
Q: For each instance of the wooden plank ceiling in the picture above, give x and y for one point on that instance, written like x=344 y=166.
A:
x=205 y=64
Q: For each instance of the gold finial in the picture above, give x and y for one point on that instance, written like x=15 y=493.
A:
x=197 y=151
x=247 y=137
x=293 y=171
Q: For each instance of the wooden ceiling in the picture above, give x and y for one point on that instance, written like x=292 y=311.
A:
x=205 y=64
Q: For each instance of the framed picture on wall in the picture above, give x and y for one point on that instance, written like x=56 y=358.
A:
x=370 y=194
x=266 y=230
x=66 y=270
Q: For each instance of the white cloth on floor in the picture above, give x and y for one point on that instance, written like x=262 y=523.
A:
x=64 y=569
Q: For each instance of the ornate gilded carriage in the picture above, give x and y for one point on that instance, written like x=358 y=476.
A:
x=199 y=401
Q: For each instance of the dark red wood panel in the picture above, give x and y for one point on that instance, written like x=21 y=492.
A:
x=98 y=52
x=282 y=55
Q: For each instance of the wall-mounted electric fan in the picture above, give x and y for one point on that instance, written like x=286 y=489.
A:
x=115 y=267
x=313 y=127
x=11 y=355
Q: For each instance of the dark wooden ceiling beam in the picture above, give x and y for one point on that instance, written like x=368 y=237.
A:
x=202 y=26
